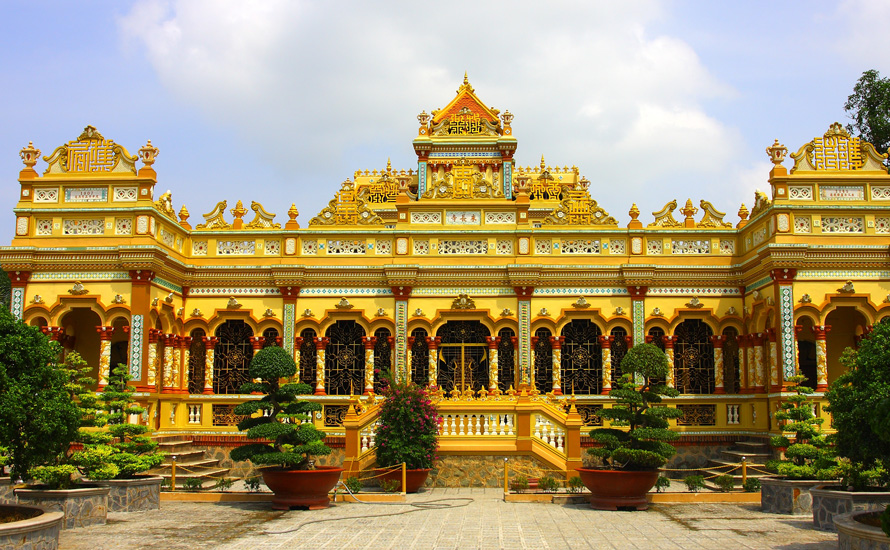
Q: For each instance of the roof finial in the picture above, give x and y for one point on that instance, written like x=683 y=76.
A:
x=465 y=79
x=543 y=164
x=389 y=166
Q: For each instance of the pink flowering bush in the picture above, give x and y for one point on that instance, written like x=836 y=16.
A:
x=409 y=427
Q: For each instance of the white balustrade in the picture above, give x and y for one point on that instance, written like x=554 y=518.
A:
x=473 y=425
x=732 y=414
x=369 y=436
x=194 y=414
x=550 y=432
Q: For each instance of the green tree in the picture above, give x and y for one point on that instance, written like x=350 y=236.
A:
x=39 y=420
x=5 y=289
x=869 y=108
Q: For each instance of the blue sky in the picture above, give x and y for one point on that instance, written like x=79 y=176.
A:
x=279 y=102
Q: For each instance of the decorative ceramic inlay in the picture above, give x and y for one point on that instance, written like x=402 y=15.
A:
x=21 y=226
x=800 y=192
x=882 y=225
x=125 y=194
x=500 y=217
x=472 y=217
x=463 y=247
x=310 y=247
x=618 y=246
x=841 y=193
x=83 y=227
x=654 y=246
x=340 y=292
x=271 y=247
x=235 y=248
x=141 y=225
x=802 y=224
x=421 y=247
x=580 y=246
x=636 y=245
x=136 y=328
x=523 y=245
x=401 y=339
x=86 y=194
x=782 y=223
x=290 y=246
x=842 y=224
x=235 y=291
x=69 y=276
x=690 y=246
x=384 y=246
x=18 y=302
x=727 y=246
x=46 y=195
x=199 y=248
x=288 y=321
x=524 y=339
x=402 y=245
x=880 y=192
x=759 y=235
x=454 y=291
x=44 y=227
x=575 y=291
x=843 y=274
x=346 y=247
x=167 y=238
x=543 y=246
x=693 y=291
x=504 y=246
x=432 y=218
x=786 y=326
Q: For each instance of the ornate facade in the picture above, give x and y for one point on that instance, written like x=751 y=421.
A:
x=494 y=282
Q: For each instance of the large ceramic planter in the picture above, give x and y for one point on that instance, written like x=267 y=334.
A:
x=786 y=496
x=41 y=530
x=303 y=488
x=413 y=478
x=137 y=494
x=830 y=501
x=82 y=506
x=853 y=535
x=615 y=489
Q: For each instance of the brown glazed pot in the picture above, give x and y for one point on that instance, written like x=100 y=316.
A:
x=413 y=478
x=614 y=489
x=303 y=488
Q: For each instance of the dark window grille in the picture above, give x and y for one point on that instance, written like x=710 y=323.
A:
x=619 y=350
x=697 y=415
x=232 y=357
x=693 y=358
x=334 y=415
x=731 y=378
x=420 y=358
x=270 y=337
x=463 y=356
x=345 y=359
x=590 y=414
x=543 y=375
x=382 y=358
x=308 y=358
x=582 y=358
x=656 y=335
x=197 y=361
x=506 y=360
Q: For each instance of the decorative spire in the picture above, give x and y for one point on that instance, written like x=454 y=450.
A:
x=239 y=211
x=689 y=211
x=29 y=155
x=183 y=217
x=777 y=152
x=292 y=213
x=466 y=85
x=743 y=214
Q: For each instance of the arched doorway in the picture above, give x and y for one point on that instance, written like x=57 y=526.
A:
x=693 y=358
x=582 y=358
x=80 y=335
x=420 y=357
x=308 y=358
x=731 y=378
x=463 y=356
x=382 y=357
x=506 y=360
x=846 y=324
x=542 y=377
x=197 y=361
x=345 y=359
x=120 y=344
x=232 y=357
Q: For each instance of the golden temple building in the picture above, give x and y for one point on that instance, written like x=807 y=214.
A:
x=506 y=288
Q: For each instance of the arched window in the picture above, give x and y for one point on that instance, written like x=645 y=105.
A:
x=656 y=338
x=232 y=357
x=506 y=360
x=197 y=361
x=420 y=358
x=463 y=356
x=619 y=350
x=345 y=359
x=582 y=358
x=382 y=357
x=731 y=376
x=693 y=358
x=543 y=375
x=270 y=337
x=308 y=358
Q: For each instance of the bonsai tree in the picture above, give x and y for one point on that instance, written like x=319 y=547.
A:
x=39 y=418
x=858 y=402
x=409 y=427
x=644 y=446
x=810 y=455
x=292 y=443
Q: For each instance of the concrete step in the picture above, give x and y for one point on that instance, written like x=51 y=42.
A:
x=184 y=456
x=187 y=466
x=753 y=447
x=737 y=456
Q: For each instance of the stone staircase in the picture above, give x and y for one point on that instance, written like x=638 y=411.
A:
x=191 y=463
x=756 y=453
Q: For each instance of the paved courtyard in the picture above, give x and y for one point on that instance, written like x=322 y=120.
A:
x=476 y=519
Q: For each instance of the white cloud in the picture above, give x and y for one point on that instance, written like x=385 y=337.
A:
x=309 y=84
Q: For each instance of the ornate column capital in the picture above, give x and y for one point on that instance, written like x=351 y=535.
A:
x=783 y=275
x=669 y=341
x=606 y=341
x=105 y=333
x=141 y=276
x=557 y=341
x=256 y=342
x=322 y=343
x=493 y=341
x=369 y=341
x=717 y=340
x=770 y=334
x=19 y=278
x=209 y=341
x=637 y=291
x=289 y=291
x=524 y=291
x=433 y=341
x=401 y=292
x=821 y=331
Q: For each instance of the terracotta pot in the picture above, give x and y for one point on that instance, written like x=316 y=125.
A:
x=413 y=478
x=303 y=488
x=614 y=489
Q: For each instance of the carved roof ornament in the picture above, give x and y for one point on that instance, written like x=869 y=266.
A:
x=29 y=155
x=577 y=208
x=382 y=190
x=761 y=203
x=154 y=303
x=463 y=301
x=507 y=312
x=215 y=219
x=777 y=153
x=581 y=303
x=148 y=153
x=343 y=304
x=656 y=312
x=847 y=288
x=169 y=298
x=806 y=299
x=78 y=289
x=346 y=208
x=239 y=211
x=307 y=313
x=837 y=150
x=262 y=219
x=620 y=311
x=689 y=211
x=463 y=181
x=694 y=303
x=743 y=215
x=165 y=205
x=89 y=154
x=712 y=218
x=292 y=213
x=197 y=313
x=183 y=217
x=118 y=299
x=418 y=312
x=465 y=115
x=380 y=312
x=665 y=217
x=544 y=312
x=268 y=313
x=233 y=303
x=37 y=299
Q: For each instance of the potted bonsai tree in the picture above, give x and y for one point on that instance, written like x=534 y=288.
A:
x=408 y=433
x=858 y=405
x=631 y=458
x=809 y=455
x=285 y=422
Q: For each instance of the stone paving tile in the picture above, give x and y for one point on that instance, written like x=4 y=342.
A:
x=485 y=522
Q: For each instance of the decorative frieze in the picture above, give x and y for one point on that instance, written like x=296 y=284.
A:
x=383 y=246
x=167 y=238
x=880 y=192
x=235 y=248
x=842 y=224
x=123 y=226
x=802 y=224
x=346 y=247
x=727 y=246
x=690 y=246
x=463 y=247
x=44 y=227
x=46 y=195
x=504 y=246
x=271 y=247
x=500 y=218
x=86 y=194
x=421 y=247
x=199 y=248
x=83 y=227
x=125 y=194
x=654 y=247
x=800 y=192
x=882 y=225
x=310 y=247
x=426 y=218
x=841 y=193
x=543 y=246
x=580 y=246
x=759 y=235
x=618 y=246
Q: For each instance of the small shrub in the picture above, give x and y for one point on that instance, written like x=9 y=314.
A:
x=165 y=484
x=354 y=484
x=575 y=484
x=548 y=484
x=662 y=483
x=751 y=485
x=193 y=484
x=695 y=483
x=519 y=484
x=253 y=484
x=390 y=485
x=224 y=484
x=885 y=521
x=55 y=476
x=725 y=483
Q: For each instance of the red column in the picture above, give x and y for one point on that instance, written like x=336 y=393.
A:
x=209 y=345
